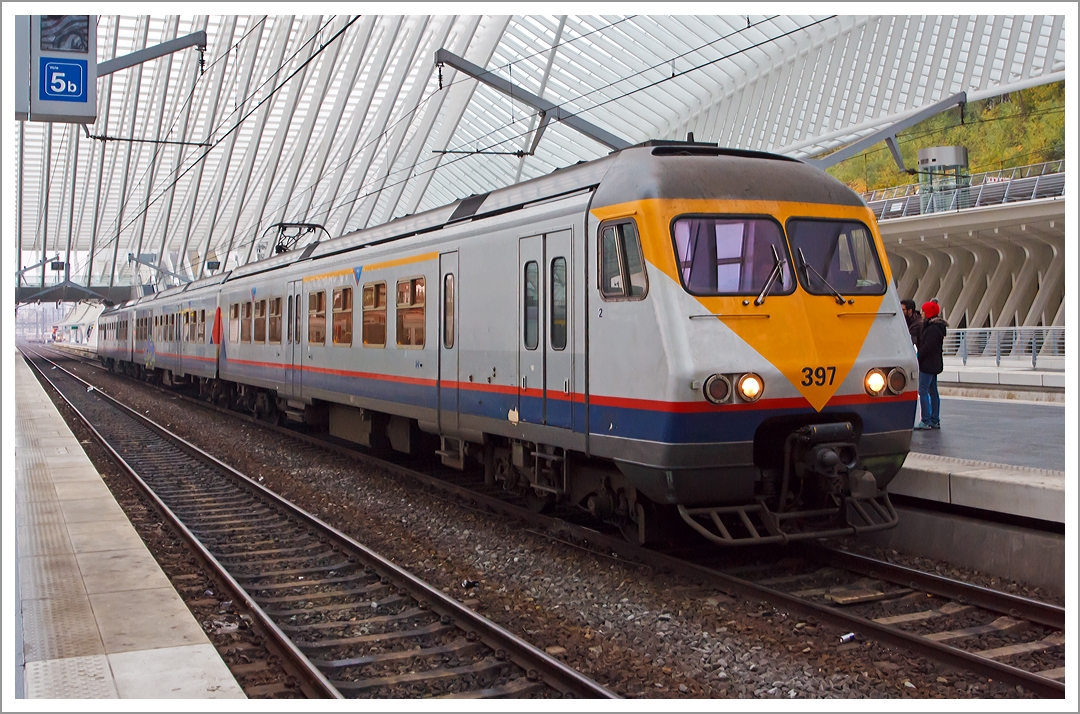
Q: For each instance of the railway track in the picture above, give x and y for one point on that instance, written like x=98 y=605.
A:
x=945 y=620
x=354 y=624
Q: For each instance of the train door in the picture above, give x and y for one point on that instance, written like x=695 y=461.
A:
x=559 y=357
x=448 y=343
x=294 y=353
x=545 y=339
x=530 y=329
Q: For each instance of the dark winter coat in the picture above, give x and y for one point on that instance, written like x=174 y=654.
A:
x=914 y=326
x=931 y=340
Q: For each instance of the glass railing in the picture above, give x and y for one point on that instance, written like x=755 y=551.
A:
x=1006 y=344
x=990 y=188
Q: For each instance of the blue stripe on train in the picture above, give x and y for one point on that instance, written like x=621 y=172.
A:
x=625 y=422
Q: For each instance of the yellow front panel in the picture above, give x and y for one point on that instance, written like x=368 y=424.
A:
x=802 y=330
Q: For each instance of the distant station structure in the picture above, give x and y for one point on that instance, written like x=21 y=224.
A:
x=152 y=151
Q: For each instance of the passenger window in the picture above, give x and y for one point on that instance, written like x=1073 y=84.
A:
x=234 y=322
x=316 y=321
x=260 y=321
x=192 y=327
x=558 y=304
x=342 y=316
x=621 y=265
x=201 y=336
x=532 y=305
x=275 y=321
x=448 y=311
x=410 y=312
x=374 y=330
x=245 y=323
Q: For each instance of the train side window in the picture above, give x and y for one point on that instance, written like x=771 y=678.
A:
x=448 y=311
x=201 y=336
x=234 y=322
x=316 y=321
x=274 y=321
x=192 y=326
x=621 y=265
x=410 y=312
x=288 y=321
x=342 y=308
x=299 y=313
x=245 y=323
x=532 y=305
x=260 y=321
x=172 y=327
x=374 y=309
x=558 y=304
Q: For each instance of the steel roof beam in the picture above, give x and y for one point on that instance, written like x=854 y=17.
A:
x=554 y=111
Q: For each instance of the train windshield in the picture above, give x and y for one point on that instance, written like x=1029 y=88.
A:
x=728 y=255
x=836 y=256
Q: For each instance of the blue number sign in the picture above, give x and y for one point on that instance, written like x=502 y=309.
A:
x=63 y=80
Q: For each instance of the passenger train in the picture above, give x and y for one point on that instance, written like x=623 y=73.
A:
x=675 y=331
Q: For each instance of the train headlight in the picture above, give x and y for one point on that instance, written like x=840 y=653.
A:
x=750 y=387
x=897 y=380
x=717 y=389
x=875 y=382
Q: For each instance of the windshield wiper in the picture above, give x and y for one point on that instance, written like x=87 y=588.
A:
x=807 y=267
x=777 y=267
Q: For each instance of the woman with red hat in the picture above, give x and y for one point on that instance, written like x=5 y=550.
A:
x=931 y=341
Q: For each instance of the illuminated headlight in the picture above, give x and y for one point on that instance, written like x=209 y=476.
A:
x=717 y=389
x=875 y=382
x=897 y=380
x=750 y=387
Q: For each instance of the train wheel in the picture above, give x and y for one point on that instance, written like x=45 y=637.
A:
x=538 y=501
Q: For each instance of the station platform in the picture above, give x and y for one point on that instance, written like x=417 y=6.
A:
x=95 y=615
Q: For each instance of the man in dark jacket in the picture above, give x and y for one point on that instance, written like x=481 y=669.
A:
x=914 y=320
x=931 y=341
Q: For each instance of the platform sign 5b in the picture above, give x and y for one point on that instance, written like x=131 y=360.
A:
x=63 y=80
x=63 y=68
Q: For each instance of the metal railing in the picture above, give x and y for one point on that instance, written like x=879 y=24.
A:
x=991 y=188
x=1012 y=344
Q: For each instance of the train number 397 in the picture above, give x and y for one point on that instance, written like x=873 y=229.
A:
x=818 y=375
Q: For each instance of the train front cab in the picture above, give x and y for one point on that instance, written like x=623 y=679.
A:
x=775 y=398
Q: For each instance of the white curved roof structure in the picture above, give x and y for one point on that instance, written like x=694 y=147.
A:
x=340 y=120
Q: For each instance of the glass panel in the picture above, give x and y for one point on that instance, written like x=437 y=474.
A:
x=274 y=323
x=245 y=323
x=841 y=252
x=374 y=328
x=260 y=321
x=234 y=322
x=317 y=318
x=558 y=304
x=532 y=305
x=410 y=320
x=448 y=311
x=343 y=316
x=730 y=256
x=622 y=268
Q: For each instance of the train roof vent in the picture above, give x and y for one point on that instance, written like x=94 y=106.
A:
x=467 y=208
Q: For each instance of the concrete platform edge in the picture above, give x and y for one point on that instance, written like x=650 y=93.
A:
x=1027 y=556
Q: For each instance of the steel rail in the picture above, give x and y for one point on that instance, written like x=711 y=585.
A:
x=965 y=593
x=520 y=652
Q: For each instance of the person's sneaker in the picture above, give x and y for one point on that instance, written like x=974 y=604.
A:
x=922 y=426
x=935 y=426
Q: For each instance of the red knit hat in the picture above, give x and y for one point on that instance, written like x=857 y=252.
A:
x=931 y=309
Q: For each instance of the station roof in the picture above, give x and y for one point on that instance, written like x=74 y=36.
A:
x=341 y=120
